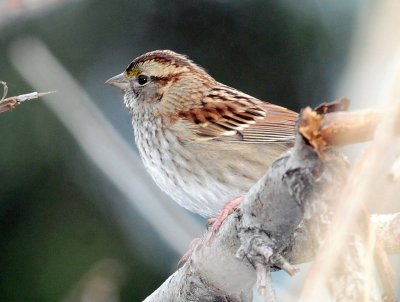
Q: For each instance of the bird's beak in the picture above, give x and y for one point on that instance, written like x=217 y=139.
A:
x=120 y=81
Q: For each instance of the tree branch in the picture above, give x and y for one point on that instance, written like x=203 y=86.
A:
x=11 y=102
x=283 y=221
x=300 y=251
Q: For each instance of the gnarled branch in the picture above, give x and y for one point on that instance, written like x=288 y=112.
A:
x=283 y=221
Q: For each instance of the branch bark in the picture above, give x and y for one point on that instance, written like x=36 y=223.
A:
x=11 y=102
x=283 y=221
x=189 y=283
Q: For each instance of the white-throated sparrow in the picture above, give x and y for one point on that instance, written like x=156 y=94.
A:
x=204 y=143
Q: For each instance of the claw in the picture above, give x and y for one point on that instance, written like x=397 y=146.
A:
x=193 y=246
x=282 y=263
x=264 y=283
x=217 y=221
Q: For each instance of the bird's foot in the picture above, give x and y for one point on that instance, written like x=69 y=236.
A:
x=215 y=224
x=193 y=245
x=217 y=221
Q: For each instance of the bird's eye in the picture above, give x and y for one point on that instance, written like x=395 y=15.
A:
x=142 y=79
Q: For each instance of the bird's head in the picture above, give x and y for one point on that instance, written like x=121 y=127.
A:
x=163 y=81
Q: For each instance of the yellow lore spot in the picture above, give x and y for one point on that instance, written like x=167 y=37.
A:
x=134 y=72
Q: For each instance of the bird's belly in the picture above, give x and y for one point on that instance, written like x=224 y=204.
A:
x=202 y=178
x=191 y=185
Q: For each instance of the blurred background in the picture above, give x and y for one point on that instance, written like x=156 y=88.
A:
x=80 y=220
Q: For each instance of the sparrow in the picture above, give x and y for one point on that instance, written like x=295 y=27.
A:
x=203 y=142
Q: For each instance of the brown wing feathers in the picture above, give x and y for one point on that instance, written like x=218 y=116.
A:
x=225 y=112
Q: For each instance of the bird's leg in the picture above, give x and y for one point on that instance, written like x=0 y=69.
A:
x=215 y=225
x=217 y=221
x=193 y=245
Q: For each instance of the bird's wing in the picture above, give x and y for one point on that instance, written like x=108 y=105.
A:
x=231 y=115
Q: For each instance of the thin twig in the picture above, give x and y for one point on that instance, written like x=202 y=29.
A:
x=11 y=102
x=5 y=90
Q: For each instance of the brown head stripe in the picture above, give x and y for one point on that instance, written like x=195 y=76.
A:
x=161 y=57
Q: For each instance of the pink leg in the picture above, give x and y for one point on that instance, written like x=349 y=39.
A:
x=216 y=224
x=193 y=245
x=225 y=212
